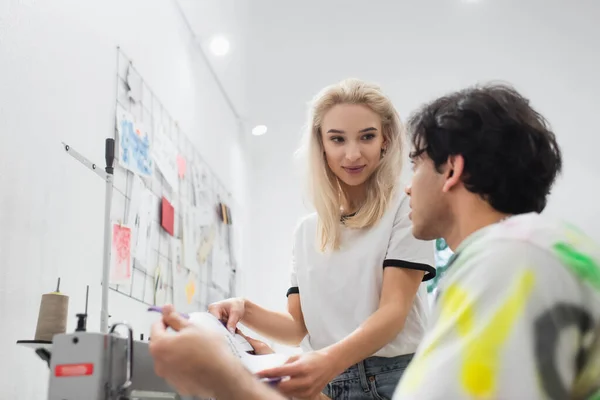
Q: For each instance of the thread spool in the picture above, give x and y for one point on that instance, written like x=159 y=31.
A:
x=52 y=317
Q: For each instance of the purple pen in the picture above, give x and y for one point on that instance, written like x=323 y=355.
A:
x=160 y=310
x=271 y=381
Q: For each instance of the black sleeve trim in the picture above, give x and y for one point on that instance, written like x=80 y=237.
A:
x=429 y=270
x=292 y=290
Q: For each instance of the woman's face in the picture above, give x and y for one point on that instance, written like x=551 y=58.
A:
x=352 y=141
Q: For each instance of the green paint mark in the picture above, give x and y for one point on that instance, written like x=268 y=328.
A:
x=595 y=396
x=584 y=266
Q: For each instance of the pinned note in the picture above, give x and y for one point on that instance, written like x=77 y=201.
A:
x=176 y=256
x=120 y=263
x=143 y=226
x=164 y=153
x=160 y=286
x=168 y=217
x=181 y=165
x=190 y=288
x=134 y=83
x=133 y=143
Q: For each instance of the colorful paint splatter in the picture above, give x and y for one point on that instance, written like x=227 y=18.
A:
x=517 y=316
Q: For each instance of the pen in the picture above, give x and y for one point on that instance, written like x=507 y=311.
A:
x=160 y=309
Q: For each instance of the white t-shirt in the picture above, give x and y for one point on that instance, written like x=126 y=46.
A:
x=340 y=289
x=514 y=316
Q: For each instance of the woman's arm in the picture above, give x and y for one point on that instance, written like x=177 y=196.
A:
x=284 y=327
x=399 y=288
x=310 y=372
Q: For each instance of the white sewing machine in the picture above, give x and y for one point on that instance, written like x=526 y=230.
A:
x=97 y=366
x=111 y=366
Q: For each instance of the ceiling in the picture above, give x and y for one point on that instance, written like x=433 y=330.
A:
x=284 y=52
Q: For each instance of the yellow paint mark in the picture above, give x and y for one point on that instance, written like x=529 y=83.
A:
x=481 y=344
x=481 y=361
x=456 y=311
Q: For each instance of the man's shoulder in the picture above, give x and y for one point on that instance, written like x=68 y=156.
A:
x=535 y=231
x=533 y=242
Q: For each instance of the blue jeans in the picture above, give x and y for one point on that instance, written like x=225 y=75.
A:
x=375 y=378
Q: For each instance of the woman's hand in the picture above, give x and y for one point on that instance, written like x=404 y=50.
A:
x=230 y=311
x=308 y=374
x=260 y=348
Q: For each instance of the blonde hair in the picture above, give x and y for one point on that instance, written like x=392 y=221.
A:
x=324 y=188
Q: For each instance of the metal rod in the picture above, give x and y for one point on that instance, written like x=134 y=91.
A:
x=84 y=161
x=107 y=175
x=131 y=297
x=87 y=294
x=106 y=256
x=109 y=155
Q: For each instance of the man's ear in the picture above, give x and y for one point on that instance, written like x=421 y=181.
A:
x=454 y=171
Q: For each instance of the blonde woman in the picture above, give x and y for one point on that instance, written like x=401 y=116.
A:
x=356 y=292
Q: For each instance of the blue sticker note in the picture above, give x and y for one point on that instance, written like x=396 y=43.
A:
x=134 y=144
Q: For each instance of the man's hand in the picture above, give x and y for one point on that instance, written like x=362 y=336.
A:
x=309 y=373
x=191 y=359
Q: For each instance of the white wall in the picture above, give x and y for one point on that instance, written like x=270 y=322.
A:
x=57 y=83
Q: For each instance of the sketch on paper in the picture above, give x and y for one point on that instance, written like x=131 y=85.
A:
x=161 y=283
x=120 y=265
x=200 y=185
x=190 y=288
x=167 y=217
x=180 y=280
x=134 y=144
x=206 y=246
x=164 y=153
x=181 y=164
x=221 y=268
x=134 y=83
x=191 y=238
x=143 y=225
x=176 y=255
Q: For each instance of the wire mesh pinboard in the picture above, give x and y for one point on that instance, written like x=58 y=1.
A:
x=168 y=207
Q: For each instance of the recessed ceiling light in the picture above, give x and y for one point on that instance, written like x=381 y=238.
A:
x=219 y=46
x=259 y=130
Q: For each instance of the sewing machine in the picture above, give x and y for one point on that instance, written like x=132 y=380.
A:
x=97 y=366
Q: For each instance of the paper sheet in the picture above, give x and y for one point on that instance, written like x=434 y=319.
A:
x=133 y=144
x=221 y=268
x=204 y=216
x=176 y=255
x=200 y=185
x=254 y=363
x=143 y=226
x=160 y=286
x=120 y=260
x=190 y=288
x=180 y=280
x=164 y=154
x=167 y=218
x=135 y=196
x=206 y=244
x=191 y=238
x=134 y=82
x=133 y=215
x=181 y=166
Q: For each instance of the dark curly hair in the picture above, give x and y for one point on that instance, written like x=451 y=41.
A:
x=511 y=155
